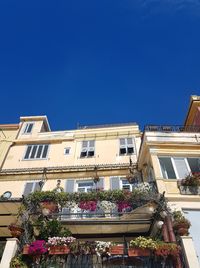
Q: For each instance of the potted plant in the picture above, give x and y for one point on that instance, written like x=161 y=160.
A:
x=181 y=225
x=116 y=249
x=190 y=184
x=37 y=247
x=102 y=248
x=164 y=249
x=82 y=248
x=107 y=207
x=16 y=230
x=141 y=246
x=59 y=245
x=17 y=262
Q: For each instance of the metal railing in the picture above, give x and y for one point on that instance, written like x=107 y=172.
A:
x=170 y=128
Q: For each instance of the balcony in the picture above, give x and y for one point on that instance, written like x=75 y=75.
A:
x=170 y=128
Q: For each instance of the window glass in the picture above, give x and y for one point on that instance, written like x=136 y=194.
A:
x=28 y=128
x=38 y=151
x=194 y=164
x=67 y=150
x=33 y=151
x=181 y=167
x=126 y=185
x=167 y=168
x=126 y=146
x=28 y=152
x=44 y=155
x=85 y=186
x=87 y=149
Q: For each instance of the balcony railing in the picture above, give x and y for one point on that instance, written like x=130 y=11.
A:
x=169 y=128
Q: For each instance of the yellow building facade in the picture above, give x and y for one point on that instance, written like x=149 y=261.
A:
x=34 y=158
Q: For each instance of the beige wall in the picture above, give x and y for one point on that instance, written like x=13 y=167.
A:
x=7 y=136
x=106 y=146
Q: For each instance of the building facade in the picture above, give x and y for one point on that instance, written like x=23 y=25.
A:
x=104 y=158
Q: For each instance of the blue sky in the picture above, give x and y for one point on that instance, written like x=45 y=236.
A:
x=95 y=62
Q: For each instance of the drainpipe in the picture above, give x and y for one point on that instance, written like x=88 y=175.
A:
x=172 y=239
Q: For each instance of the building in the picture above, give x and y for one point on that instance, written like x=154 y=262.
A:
x=167 y=155
x=104 y=157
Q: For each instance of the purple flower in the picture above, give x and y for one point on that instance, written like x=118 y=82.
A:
x=37 y=247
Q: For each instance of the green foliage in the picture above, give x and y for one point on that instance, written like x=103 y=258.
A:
x=138 y=196
x=144 y=243
x=51 y=228
x=18 y=262
x=180 y=220
x=192 y=180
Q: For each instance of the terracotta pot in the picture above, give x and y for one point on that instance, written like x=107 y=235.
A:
x=54 y=250
x=15 y=230
x=182 y=231
x=134 y=252
x=117 y=250
x=25 y=249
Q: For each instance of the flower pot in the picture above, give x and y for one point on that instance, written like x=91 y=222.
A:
x=16 y=230
x=189 y=190
x=117 y=250
x=25 y=249
x=183 y=231
x=49 y=207
x=134 y=252
x=54 y=250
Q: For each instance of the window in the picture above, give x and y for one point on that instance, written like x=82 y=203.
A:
x=37 y=151
x=87 y=149
x=28 y=128
x=85 y=186
x=178 y=167
x=125 y=185
x=31 y=187
x=67 y=150
x=126 y=146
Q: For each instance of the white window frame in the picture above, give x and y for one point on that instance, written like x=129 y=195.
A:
x=69 y=148
x=88 y=148
x=121 y=184
x=27 y=124
x=174 y=165
x=85 y=187
x=36 y=158
x=127 y=145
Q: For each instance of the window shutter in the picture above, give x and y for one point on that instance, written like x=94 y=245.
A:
x=114 y=183
x=122 y=142
x=37 y=186
x=100 y=183
x=70 y=185
x=181 y=167
x=130 y=141
x=85 y=144
x=28 y=188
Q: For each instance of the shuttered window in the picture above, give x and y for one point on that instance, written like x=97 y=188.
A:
x=36 y=151
x=126 y=146
x=88 y=148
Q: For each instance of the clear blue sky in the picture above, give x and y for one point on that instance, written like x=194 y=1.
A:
x=99 y=61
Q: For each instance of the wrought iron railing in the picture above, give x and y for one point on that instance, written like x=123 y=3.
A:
x=94 y=261
x=170 y=128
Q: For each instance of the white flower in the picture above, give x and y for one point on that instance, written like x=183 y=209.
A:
x=107 y=205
